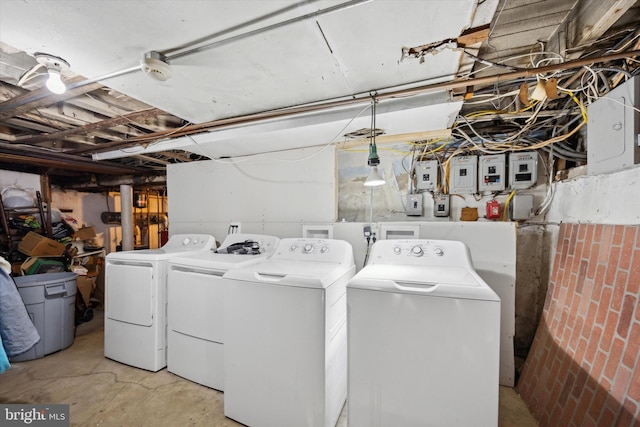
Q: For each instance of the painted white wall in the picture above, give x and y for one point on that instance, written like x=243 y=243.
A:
x=603 y=199
x=264 y=192
x=24 y=181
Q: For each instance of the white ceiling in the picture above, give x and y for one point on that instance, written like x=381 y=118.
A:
x=344 y=54
x=396 y=117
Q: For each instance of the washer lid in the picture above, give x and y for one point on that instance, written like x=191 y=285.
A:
x=447 y=282
x=209 y=260
x=306 y=274
x=152 y=254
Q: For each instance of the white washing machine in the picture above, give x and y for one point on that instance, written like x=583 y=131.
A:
x=135 y=326
x=285 y=336
x=424 y=338
x=196 y=310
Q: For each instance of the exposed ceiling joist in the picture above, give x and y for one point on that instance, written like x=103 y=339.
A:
x=41 y=98
x=103 y=124
x=587 y=22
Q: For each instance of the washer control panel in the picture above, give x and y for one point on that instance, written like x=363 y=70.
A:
x=190 y=241
x=310 y=249
x=420 y=252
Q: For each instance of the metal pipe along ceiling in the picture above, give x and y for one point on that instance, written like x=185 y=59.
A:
x=285 y=112
x=321 y=12
x=179 y=53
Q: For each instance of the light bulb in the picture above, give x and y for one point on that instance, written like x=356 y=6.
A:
x=374 y=179
x=55 y=83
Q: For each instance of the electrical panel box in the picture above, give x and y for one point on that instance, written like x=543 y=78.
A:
x=441 y=205
x=522 y=207
x=414 y=205
x=613 y=133
x=523 y=169
x=463 y=175
x=426 y=173
x=492 y=172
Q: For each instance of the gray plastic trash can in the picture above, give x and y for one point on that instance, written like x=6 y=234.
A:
x=50 y=299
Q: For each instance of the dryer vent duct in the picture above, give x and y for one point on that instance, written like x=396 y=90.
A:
x=155 y=65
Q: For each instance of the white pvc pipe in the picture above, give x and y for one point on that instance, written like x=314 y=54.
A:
x=126 y=209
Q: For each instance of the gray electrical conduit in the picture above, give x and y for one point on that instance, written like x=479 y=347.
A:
x=347 y=5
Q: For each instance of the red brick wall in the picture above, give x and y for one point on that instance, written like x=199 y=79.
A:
x=582 y=369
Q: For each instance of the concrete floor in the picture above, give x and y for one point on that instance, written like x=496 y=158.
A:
x=102 y=392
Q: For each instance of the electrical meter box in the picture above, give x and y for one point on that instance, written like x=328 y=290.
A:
x=613 y=133
x=491 y=172
x=463 y=175
x=523 y=169
x=426 y=173
x=440 y=205
x=414 y=205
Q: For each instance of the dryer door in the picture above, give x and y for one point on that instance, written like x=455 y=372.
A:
x=130 y=292
x=195 y=303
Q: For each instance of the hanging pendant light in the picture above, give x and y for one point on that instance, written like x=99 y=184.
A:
x=374 y=179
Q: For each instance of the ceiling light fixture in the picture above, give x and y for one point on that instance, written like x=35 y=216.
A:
x=54 y=65
x=374 y=179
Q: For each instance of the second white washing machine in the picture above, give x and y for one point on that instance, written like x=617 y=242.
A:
x=285 y=336
x=424 y=338
x=195 y=305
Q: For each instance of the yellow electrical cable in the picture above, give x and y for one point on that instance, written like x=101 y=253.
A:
x=577 y=101
x=506 y=206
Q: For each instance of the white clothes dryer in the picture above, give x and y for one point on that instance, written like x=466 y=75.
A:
x=424 y=338
x=135 y=325
x=195 y=305
x=285 y=336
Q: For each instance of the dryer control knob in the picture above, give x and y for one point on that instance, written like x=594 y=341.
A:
x=438 y=251
x=416 y=250
x=308 y=248
x=397 y=250
x=186 y=241
x=324 y=249
x=293 y=248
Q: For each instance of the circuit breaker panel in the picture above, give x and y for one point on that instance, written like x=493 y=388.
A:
x=426 y=173
x=492 y=172
x=613 y=134
x=523 y=170
x=463 y=175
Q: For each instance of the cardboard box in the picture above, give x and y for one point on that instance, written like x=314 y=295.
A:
x=37 y=265
x=85 y=287
x=85 y=233
x=33 y=244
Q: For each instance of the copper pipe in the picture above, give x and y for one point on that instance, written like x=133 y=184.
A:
x=290 y=111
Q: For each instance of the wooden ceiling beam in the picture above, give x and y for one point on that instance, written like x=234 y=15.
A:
x=101 y=125
x=41 y=98
x=586 y=23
